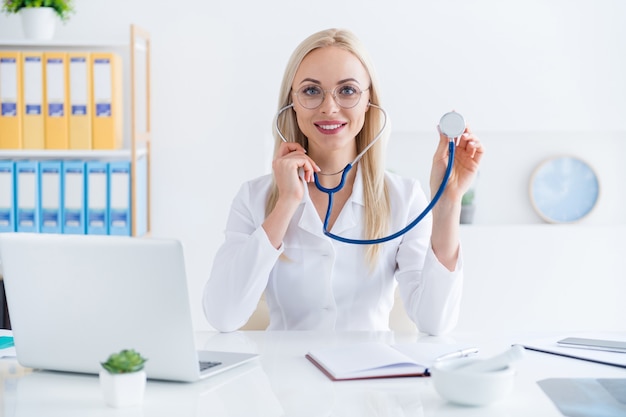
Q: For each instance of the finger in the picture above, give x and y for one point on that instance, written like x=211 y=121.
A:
x=309 y=170
x=309 y=167
x=474 y=147
x=289 y=147
x=467 y=136
x=479 y=151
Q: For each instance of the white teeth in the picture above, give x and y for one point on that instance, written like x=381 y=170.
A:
x=330 y=127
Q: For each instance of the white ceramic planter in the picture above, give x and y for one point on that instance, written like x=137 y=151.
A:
x=38 y=23
x=123 y=390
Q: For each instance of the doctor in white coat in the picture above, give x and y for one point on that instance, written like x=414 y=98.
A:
x=274 y=240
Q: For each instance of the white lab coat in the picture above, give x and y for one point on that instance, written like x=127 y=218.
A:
x=313 y=282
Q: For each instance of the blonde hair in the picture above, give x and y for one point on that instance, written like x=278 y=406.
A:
x=377 y=207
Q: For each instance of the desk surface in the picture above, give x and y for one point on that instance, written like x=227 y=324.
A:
x=283 y=383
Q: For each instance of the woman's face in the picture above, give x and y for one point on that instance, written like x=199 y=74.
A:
x=331 y=127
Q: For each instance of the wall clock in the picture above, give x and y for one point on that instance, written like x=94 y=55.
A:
x=564 y=189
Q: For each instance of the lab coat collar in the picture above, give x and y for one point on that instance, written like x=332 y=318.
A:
x=310 y=221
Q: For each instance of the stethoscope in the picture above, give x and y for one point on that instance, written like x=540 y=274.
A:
x=451 y=124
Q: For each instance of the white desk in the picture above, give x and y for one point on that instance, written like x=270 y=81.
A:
x=283 y=383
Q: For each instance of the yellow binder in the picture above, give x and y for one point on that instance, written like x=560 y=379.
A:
x=10 y=100
x=106 y=71
x=56 y=101
x=80 y=100
x=32 y=100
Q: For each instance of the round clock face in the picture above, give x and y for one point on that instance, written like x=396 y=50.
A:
x=564 y=189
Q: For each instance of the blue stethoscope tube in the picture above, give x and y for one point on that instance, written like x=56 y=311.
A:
x=339 y=187
x=429 y=207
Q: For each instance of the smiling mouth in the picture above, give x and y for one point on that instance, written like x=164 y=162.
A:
x=330 y=126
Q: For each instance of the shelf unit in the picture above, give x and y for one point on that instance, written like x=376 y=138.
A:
x=136 y=102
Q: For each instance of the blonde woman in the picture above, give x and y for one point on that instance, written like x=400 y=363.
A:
x=274 y=236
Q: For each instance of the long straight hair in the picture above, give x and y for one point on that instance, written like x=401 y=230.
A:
x=376 y=199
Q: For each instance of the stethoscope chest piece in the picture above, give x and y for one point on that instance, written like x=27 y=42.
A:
x=452 y=124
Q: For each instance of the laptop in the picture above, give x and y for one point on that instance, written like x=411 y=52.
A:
x=75 y=299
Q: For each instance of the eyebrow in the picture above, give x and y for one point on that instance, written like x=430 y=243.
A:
x=314 y=81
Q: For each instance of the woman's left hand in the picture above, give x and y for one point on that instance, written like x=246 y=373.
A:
x=467 y=155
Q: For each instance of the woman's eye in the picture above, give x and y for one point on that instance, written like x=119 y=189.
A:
x=348 y=90
x=311 y=91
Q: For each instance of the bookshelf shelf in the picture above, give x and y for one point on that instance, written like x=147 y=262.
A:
x=137 y=135
x=70 y=154
x=22 y=43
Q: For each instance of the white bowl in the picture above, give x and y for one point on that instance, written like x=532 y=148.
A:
x=471 y=388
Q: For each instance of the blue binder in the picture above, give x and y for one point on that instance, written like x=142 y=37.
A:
x=7 y=196
x=97 y=198
x=74 y=212
x=27 y=196
x=51 y=196
x=119 y=198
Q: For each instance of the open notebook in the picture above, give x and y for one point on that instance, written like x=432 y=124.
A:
x=76 y=299
x=379 y=360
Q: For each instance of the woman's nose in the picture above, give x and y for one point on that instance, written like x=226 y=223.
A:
x=329 y=103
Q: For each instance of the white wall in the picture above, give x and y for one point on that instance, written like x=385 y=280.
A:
x=528 y=76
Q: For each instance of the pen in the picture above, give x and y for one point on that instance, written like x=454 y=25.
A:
x=457 y=354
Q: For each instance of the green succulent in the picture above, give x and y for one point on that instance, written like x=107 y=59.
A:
x=63 y=8
x=126 y=361
x=468 y=198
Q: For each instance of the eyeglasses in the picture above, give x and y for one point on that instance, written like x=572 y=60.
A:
x=346 y=96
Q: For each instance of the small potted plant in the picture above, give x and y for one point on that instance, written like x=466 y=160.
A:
x=123 y=379
x=468 y=207
x=39 y=16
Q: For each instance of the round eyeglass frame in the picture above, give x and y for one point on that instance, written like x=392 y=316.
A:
x=333 y=95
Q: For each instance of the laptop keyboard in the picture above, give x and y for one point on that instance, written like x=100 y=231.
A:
x=206 y=365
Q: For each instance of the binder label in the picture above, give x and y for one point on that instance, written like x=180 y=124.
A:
x=33 y=85
x=56 y=89
x=79 y=96
x=55 y=109
x=103 y=109
x=9 y=109
x=8 y=87
x=27 y=197
x=74 y=199
x=79 y=110
x=96 y=198
x=50 y=196
x=102 y=91
x=33 y=109
x=120 y=197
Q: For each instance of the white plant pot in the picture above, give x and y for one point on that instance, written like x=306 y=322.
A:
x=467 y=213
x=38 y=23
x=123 y=390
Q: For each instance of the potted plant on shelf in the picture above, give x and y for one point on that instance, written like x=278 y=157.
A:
x=39 y=16
x=123 y=379
x=468 y=207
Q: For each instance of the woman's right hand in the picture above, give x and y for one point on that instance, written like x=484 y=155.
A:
x=290 y=158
